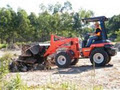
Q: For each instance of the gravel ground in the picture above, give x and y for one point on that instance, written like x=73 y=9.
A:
x=81 y=74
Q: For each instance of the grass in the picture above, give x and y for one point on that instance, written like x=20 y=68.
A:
x=55 y=86
x=15 y=83
x=4 y=63
x=98 y=87
x=64 y=86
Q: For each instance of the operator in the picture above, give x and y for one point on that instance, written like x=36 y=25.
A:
x=96 y=35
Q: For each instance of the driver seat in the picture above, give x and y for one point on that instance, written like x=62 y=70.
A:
x=99 y=40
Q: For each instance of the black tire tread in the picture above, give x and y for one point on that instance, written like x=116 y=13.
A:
x=102 y=51
x=75 y=61
x=109 y=59
x=68 y=60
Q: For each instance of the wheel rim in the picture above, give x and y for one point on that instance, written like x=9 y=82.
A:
x=98 y=58
x=61 y=60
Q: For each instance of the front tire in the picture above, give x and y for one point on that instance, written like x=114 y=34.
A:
x=109 y=59
x=63 y=60
x=75 y=61
x=99 y=57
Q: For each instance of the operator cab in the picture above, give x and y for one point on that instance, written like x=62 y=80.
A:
x=103 y=38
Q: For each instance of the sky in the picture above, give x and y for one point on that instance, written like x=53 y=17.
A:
x=106 y=8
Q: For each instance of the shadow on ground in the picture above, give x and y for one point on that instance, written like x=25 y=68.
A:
x=79 y=69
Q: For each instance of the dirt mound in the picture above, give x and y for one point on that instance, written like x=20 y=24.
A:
x=31 y=58
x=21 y=66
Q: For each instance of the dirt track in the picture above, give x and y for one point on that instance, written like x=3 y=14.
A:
x=81 y=74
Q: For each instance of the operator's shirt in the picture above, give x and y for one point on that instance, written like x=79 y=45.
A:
x=98 y=32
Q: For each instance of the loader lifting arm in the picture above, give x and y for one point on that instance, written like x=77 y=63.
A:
x=57 y=43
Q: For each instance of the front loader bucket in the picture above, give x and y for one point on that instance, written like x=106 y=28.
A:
x=35 y=49
x=36 y=52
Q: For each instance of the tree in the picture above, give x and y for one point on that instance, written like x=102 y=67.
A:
x=113 y=25
x=44 y=25
x=23 y=26
x=34 y=26
x=52 y=19
x=11 y=26
x=7 y=17
x=67 y=6
x=78 y=26
x=118 y=35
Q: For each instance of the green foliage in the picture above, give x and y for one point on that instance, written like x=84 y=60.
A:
x=3 y=46
x=118 y=35
x=15 y=84
x=66 y=86
x=22 y=43
x=4 y=62
x=98 y=87
x=60 y=86
x=78 y=26
x=113 y=26
x=52 y=19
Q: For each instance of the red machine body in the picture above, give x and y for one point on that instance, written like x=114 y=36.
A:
x=58 y=43
x=86 y=51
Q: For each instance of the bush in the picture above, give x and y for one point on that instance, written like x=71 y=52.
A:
x=3 y=46
x=22 y=43
x=15 y=84
x=118 y=35
x=4 y=63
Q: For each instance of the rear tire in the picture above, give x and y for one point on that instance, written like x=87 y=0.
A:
x=63 y=60
x=75 y=61
x=99 y=57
